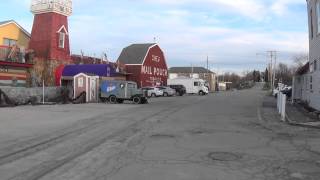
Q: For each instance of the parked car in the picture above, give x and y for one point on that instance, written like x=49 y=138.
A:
x=193 y=85
x=119 y=91
x=286 y=89
x=287 y=92
x=180 y=89
x=167 y=91
x=153 y=91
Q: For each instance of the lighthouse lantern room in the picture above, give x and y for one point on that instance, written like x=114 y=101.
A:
x=63 y=7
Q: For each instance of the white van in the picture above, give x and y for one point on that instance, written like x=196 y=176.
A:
x=192 y=85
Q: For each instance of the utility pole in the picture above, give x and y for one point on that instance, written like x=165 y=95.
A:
x=207 y=65
x=275 y=68
x=208 y=77
x=191 y=70
x=272 y=66
x=271 y=69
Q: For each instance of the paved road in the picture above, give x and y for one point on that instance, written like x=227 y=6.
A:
x=225 y=136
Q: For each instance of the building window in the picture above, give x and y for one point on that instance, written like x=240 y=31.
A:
x=318 y=15
x=306 y=82
x=62 y=37
x=9 y=42
x=311 y=68
x=311 y=24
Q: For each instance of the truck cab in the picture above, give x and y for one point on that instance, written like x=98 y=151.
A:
x=119 y=91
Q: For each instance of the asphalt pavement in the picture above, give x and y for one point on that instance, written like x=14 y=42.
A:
x=223 y=136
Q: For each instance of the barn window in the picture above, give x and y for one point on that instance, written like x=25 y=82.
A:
x=62 y=38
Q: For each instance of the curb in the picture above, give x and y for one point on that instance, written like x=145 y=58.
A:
x=292 y=123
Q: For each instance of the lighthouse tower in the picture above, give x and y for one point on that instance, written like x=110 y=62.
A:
x=50 y=36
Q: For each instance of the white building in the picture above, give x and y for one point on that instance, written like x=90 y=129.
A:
x=307 y=80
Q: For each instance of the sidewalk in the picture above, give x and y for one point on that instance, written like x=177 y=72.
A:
x=299 y=117
x=295 y=115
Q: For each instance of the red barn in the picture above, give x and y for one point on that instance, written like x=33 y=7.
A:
x=145 y=64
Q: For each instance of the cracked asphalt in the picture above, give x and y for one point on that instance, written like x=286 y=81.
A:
x=224 y=136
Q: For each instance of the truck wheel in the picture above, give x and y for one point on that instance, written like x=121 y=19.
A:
x=153 y=95
x=120 y=101
x=113 y=99
x=201 y=93
x=104 y=100
x=136 y=100
x=144 y=101
x=165 y=94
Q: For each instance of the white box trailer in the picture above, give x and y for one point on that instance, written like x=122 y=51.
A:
x=192 y=85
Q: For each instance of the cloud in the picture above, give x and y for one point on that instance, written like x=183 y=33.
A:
x=250 y=8
x=183 y=39
x=281 y=7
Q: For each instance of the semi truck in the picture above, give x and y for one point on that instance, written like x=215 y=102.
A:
x=192 y=85
x=120 y=91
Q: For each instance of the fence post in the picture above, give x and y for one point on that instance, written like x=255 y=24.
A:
x=278 y=102
x=283 y=108
x=43 y=92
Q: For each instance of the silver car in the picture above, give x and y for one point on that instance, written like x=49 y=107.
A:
x=153 y=91
x=167 y=91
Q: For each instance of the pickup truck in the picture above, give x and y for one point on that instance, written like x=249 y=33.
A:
x=119 y=91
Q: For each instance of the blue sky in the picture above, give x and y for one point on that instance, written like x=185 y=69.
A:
x=230 y=32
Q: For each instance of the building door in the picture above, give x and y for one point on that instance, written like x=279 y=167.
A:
x=93 y=89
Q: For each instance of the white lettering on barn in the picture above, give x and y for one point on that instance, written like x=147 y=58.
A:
x=156 y=58
x=146 y=70
x=154 y=71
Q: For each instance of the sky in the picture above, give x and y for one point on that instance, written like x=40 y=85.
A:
x=233 y=34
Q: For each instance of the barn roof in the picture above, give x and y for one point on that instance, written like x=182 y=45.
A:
x=135 y=53
x=102 y=70
x=189 y=70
